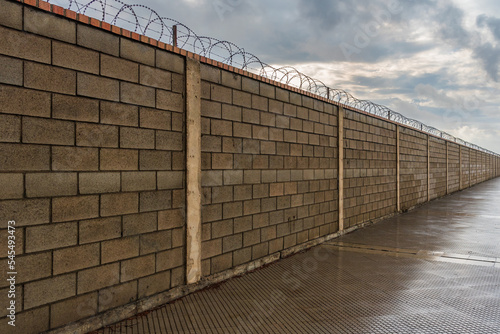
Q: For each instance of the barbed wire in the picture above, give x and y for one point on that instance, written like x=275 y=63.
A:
x=146 y=21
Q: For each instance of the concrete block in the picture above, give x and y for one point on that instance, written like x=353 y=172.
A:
x=119 y=114
x=49 y=25
x=35 y=267
x=48 y=131
x=97 y=39
x=11 y=71
x=222 y=228
x=25 y=45
x=137 y=138
x=222 y=161
x=119 y=249
x=117 y=295
x=10 y=128
x=211 y=109
x=53 y=236
x=25 y=212
x=251 y=207
x=11 y=15
x=260 y=250
x=100 y=229
x=260 y=220
x=242 y=99
x=169 y=259
x=242 y=192
x=169 y=101
x=170 y=219
x=75 y=108
x=98 y=87
x=221 y=263
x=232 y=177
x=74 y=208
x=75 y=158
x=242 y=130
x=138 y=181
x=137 y=94
x=171 y=141
x=51 y=184
x=155 y=242
x=96 y=135
x=210 y=73
x=71 y=310
x=75 y=57
x=231 y=113
x=231 y=80
x=154 y=284
x=211 y=144
x=138 y=267
x=14 y=100
x=250 y=85
x=49 y=290
x=211 y=248
x=119 y=159
x=221 y=128
x=49 y=78
x=155 y=160
x=139 y=223
x=118 y=68
x=210 y=213
x=155 y=200
x=221 y=94
x=251 y=238
x=119 y=204
x=268 y=233
x=154 y=77
x=251 y=116
x=155 y=119
x=76 y=258
x=97 y=278
x=169 y=61
x=231 y=210
x=12 y=186
x=136 y=51
x=171 y=180
x=260 y=103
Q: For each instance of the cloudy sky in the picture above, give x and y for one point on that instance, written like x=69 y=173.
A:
x=436 y=61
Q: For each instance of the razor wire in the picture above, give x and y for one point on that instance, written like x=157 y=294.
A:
x=146 y=21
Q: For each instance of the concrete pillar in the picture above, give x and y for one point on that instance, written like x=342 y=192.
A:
x=398 y=170
x=341 y=167
x=193 y=166
x=428 y=168
x=447 y=168
x=460 y=166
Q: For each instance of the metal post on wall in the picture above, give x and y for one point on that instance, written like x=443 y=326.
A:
x=341 y=167
x=398 y=170
x=174 y=35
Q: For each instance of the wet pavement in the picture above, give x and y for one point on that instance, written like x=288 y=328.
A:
x=432 y=270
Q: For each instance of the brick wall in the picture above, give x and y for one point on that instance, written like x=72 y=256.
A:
x=413 y=164
x=369 y=167
x=437 y=151
x=92 y=161
x=269 y=169
x=453 y=167
x=93 y=169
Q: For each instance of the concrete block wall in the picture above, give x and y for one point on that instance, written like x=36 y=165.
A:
x=269 y=169
x=466 y=167
x=93 y=169
x=414 y=169
x=453 y=167
x=437 y=165
x=370 y=163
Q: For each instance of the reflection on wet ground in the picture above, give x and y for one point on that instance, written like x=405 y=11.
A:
x=433 y=270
